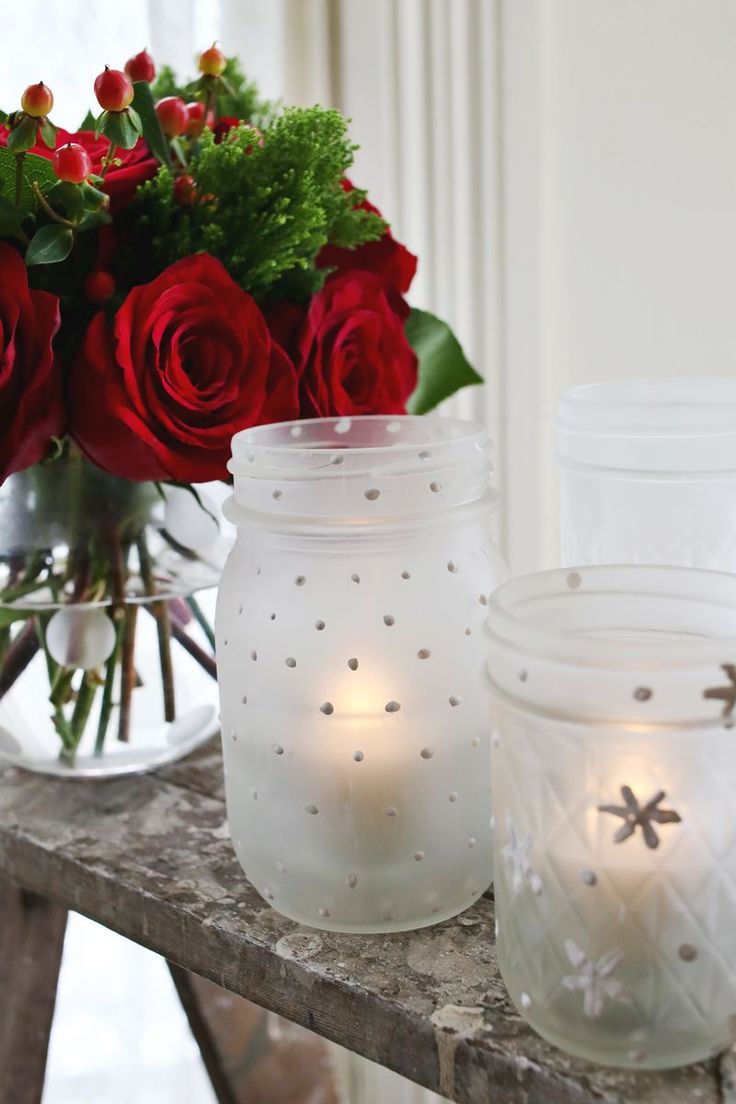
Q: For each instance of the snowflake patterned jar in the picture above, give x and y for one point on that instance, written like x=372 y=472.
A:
x=350 y=655
x=648 y=473
x=614 y=773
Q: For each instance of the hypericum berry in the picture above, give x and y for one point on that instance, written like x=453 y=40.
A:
x=72 y=163
x=37 y=100
x=114 y=90
x=172 y=115
x=212 y=62
x=99 y=286
x=140 y=67
x=185 y=190
x=195 y=119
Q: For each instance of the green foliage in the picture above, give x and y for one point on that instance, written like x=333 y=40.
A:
x=264 y=210
x=237 y=96
x=34 y=168
x=443 y=366
x=123 y=128
x=144 y=104
x=50 y=245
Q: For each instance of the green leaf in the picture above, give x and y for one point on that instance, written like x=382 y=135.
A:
x=50 y=245
x=3 y=116
x=89 y=122
x=94 y=199
x=23 y=136
x=10 y=218
x=152 y=132
x=48 y=134
x=34 y=168
x=443 y=366
x=123 y=128
x=67 y=196
x=93 y=219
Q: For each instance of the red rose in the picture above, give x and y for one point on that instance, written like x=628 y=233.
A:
x=31 y=408
x=187 y=362
x=354 y=355
x=385 y=257
x=121 y=181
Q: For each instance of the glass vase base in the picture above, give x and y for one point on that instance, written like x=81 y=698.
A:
x=156 y=748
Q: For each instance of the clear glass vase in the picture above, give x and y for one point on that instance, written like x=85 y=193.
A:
x=106 y=655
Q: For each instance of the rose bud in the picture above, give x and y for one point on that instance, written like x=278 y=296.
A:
x=72 y=163
x=37 y=100
x=99 y=286
x=195 y=120
x=212 y=62
x=185 y=190
x=114 y=90
x=140 y=67
x=172 y=115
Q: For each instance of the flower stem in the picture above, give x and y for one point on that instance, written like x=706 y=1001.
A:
x=202 y=621
x=204 y=660
x=107 y=160
x=85 y=698
x=19 y=159
x=127 y=674
x=18 y=656
x=160 y=612
x=44 y=204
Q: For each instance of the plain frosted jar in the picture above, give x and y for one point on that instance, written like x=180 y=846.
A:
x=614 y=772
x=648 y=473
x=350 y=654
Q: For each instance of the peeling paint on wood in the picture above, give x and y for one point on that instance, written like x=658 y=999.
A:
x=149 y=858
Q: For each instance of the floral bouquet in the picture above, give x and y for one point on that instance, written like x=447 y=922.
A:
x=191 y=262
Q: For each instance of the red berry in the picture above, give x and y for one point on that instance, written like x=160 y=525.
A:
x=140 y=67
x=172 y=115
x=99 y=286
x=212 y=62
x=195 y=121
x=72 y=163
x=114 y=90
x=37 y=100
x=185 y=190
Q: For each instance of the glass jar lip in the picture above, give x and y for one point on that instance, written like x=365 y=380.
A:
x=675 y=406
x=281 y=443
x=510 y=621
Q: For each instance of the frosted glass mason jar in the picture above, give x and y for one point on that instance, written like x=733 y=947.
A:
x=350 y=654
x=614 y=781
x=648 y=473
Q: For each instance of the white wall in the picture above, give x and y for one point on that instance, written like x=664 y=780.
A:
x=566 y=170
x=634 y=199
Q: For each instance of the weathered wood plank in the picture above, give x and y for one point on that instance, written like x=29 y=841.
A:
x=150 y=858
x=31 y=944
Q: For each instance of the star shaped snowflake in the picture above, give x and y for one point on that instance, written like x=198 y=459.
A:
x=594 y=979
x=516 y=852
x=636 y=816
x=726 y=694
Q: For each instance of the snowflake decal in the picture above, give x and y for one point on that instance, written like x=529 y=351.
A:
x=516 y=853
x=726 y=694
x=593 y=979
x=635 y=815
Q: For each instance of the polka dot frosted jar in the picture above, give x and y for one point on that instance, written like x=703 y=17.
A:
x=648 y=473
x=614 y=768
x=350 y=654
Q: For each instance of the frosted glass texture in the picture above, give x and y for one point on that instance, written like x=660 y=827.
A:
x=648 y=473
x=350 y=654
x=614 y=769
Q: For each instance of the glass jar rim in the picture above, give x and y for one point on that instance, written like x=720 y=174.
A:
x=279 y=444
x=676 y=406
x=515 y=607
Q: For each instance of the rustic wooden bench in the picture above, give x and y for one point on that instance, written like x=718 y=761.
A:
x=150 y=858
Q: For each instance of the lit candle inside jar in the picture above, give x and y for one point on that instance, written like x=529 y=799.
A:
x=614 y=769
